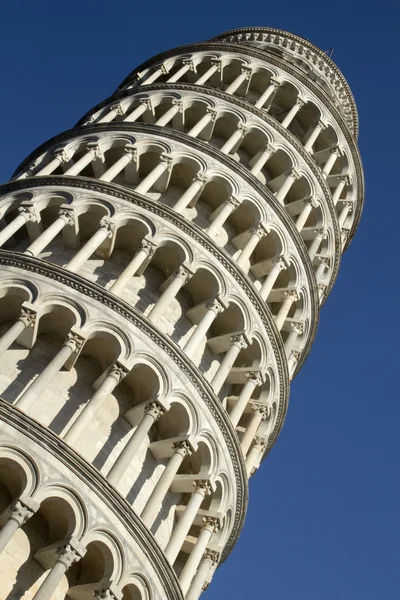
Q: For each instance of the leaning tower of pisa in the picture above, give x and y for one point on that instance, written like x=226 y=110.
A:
x=162 y=268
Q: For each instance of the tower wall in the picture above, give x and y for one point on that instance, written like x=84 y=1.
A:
x=162 y=268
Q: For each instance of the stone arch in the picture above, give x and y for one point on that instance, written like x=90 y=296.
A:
x=64 y=511
x=19 y=474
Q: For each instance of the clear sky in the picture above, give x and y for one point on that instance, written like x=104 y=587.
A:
x=323 y=521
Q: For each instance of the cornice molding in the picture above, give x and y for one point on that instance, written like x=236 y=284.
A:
x=204 y=389
x=234 y=166
x=98 y=484
x=306 y=44
x=291 y=70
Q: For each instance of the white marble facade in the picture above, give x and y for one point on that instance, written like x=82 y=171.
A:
x=162 y=269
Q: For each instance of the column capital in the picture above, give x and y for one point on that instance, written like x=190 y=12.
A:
x=155 y=410
x=202 y=485
x=183 y=273
x=62 y=155
x=313 y=202
x=212 y=556
x=324 y=260
x=188 y=62
x=29 y=213
x=211 y=111
x=234 y=201
x=295 y=355
x=294 y=173
x=21 y=512
x=118 y=109
x=321 y=288
x=255 y=377
x=28 y=316
x=131 y=152
x=299 y=102
x=148 y=246
x=166 y=160
x=211 y=522
x=95 y=149
x=335 y=151
x=183 y=447
x=260 y=408
x=68 y=214
x=178 y=104
x=349 y=205
x=106 y=223
x=200 y=178
x=146 y=102
x=279 y=263
x=217 y=62
x=260 y=230
x=243 y=127
x=74 y=341
x=321 y=233
x=247 y=71
x=70 y=552
x=274 y=82
x=215 y=305
x=260 y=443
x=292 y=294
x=118 y=371
x=239 y=340
x=163 y=69
x=297 y=327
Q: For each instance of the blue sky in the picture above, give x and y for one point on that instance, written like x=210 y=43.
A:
x=323 y=521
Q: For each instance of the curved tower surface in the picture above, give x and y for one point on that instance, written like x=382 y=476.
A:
x=163 y=264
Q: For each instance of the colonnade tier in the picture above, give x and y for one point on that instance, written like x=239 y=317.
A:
x=59 y=230
x=277 y=75
x=262 y=138
x=162 y=269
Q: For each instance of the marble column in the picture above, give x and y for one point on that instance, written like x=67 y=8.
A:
x=201 y=489
x=227 y=209
x=19 y=514
x=26 y=319
x=209 y=117
x=210 y=526
x=114 y=376
x=152 y=413
x=187 y=66
x=66 y=218
x=309 y=205
x=320 y=234
x=165 y=164
x=292 y=113
x=291 y=296
x=236 y=83
x=68 y=554
x=327 y=168
x=60 y=158
x=237 y=343
x=212 y=309
x=106 y=230
x=72 y=345
x=234 y=140
x=129 y=155
x=318 y=127
x=271 y=89
x=287 y=184
x=346 y=210
x=259 y=163
x=260 y=413
x=253 y=380
x=257 y=233
x=191 y=193
x=176 y=107
x=144 y=105
x=85 y=160
x=209 y=560
x=254 y=454
x=161 y=489
x=26 y=213
x=216 y=67
x=181 y=276
x=114 y=111
x=278 y=265
x=145 y=251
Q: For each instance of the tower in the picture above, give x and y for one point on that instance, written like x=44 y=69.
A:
x=162 y=266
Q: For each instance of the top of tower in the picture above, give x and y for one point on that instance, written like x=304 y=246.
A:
x=304 y=55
